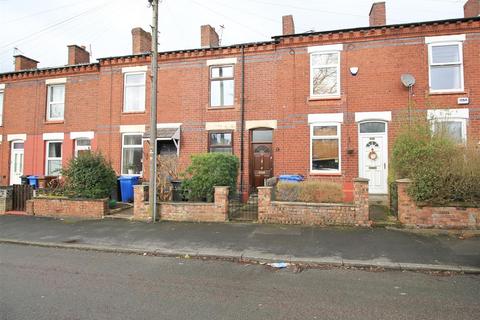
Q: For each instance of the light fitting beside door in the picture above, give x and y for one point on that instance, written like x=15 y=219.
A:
x=354 y=71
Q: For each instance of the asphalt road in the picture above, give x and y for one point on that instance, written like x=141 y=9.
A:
x=45 y=283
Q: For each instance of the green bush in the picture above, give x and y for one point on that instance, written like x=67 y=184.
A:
x=89 y=176
x=441 y=170
x=207 y=171
x=315 y=191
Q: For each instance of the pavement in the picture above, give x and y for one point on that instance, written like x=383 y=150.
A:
x=48 y=283
x=357 y=247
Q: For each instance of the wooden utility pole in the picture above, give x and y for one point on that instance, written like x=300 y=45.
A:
x=152 y=194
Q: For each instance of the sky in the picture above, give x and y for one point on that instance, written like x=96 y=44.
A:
x=42 y=29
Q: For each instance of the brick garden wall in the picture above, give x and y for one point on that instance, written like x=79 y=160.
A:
x=67 y=208
x=315 y=213
x=434 y=217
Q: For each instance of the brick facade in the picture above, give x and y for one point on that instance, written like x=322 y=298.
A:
x=324 y=214
x=434 y=217
x=68 y=208
x=276 y=78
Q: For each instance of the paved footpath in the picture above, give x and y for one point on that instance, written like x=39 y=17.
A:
x=339 y=246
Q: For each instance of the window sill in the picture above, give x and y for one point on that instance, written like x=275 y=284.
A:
x=221 y=108
x=332 y=174
x=53 y=121
x=324 y=98
x=133 y=112
x=436 y=93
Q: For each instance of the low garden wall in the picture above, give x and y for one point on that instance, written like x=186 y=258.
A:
x=182 y=211
x=413 y=215
x=5 y=199
x=68 y=208
x=282 y=212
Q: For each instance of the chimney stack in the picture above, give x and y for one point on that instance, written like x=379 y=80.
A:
x=378 y=16
x=209 y=37
x=471 y=9
x=24 y=63
x=77 y=54
x=141 y=41
x=288 y=25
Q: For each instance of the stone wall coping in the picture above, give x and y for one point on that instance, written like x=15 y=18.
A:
x=361 y=180
x=265 y=187
x=311 y=204
x=222 y=187
x=405 y=180
x=186 y=203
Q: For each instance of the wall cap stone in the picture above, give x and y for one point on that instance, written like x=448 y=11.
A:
x=405 y=180
x=312 y=204
x=361 y=180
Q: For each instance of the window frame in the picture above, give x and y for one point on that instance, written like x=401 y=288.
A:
x=220 y=146
x=338 y=137
x=50 y=103
x=459 y=44
x=125 y=86
x=47 y=157
x=462 y=121
x=82 y=148
x=338 y=66
x=212 y=79
x=2 y=98
x=131 y=147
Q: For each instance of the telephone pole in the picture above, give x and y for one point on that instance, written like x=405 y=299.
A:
x=152 y=194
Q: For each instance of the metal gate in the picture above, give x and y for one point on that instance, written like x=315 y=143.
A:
x=243 y=206
x=21 y=193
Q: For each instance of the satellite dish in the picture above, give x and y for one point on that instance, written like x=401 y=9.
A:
x=408 y=80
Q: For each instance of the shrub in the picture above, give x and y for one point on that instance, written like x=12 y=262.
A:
x=89 y=176
x=315 y=191
x=207 y=171
x=441 y=170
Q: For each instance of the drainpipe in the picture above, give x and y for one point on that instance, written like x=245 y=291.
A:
x=242 y=120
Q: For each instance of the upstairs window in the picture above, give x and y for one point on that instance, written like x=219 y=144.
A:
x=221 y=86
x=134 y=92
x=220 y=142
x=1 y=108
x=446 y=67
x=55 y=102
x=324 y=74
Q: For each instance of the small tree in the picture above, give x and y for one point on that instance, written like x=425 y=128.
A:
x=89 y=176
x=207 y=171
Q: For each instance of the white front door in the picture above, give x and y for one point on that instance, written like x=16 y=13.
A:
x=373 y=155
x=16 y=162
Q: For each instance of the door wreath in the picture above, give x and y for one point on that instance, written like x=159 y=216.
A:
x=372 y=155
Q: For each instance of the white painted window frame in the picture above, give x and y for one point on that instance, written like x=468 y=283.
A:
x=131 y=147
x=215 y=79
x=50 y=103
x=463 y=123
x=125 y=86
x=82 y=148
x=326 y=50
x=452 y=115
x=459 y=44
x=338 y=137
x=47 y=158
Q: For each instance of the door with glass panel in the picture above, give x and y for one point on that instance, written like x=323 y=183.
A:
x=373 y=155
x=16 y=162
x=261 y=157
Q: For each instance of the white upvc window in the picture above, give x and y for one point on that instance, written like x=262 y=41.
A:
x=325 y=147
x=82 y=145
x=325 y=71
x=134 y=91
x=132 y=153
x=1 y=107
x=53 y=158
x=452 y=122
x=222 y=86
x=446 y=67
x=55 y=102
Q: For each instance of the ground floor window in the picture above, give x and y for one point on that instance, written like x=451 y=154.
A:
x=220 y=142
x=166 y=147
x=132 y=153
x=454 y=128
x=325 y=147
x=82 y=146
x=54 y=158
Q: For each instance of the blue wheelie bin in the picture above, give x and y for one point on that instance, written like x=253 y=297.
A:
x=126 y=187
x=290 y=178
x=33 y=181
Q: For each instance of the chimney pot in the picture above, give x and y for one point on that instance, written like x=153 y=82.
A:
x=24 y=63
x=288 y=25
x=77 y=55
x=471 y=8
x=378 y=16
x=141 y=41
x=209 y=37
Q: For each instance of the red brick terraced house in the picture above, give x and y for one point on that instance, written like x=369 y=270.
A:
x=326 y=105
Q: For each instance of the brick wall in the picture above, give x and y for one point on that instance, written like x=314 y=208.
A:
x=67 y=208
x=183 y=211
x=315 y=213
x=434 y=217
